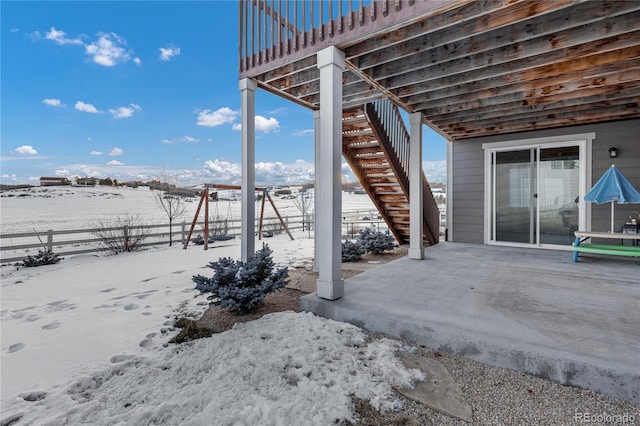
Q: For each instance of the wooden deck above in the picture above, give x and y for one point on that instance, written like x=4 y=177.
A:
x=472 y=68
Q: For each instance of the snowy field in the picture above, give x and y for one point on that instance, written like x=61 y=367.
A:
x=84 y=341
x=59 y=208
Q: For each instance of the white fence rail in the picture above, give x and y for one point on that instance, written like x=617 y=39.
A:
x=18 y=245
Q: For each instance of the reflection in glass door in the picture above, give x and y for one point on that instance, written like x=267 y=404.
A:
x=514 y=209
x=535 y=195
x=558 y=188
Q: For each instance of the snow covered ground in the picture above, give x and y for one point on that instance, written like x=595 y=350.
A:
x=84 y=341
x=59 y=208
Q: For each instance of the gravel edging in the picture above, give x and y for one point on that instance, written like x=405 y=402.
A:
x=505 y=397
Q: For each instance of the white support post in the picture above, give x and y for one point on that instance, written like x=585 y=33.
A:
x=330 y=285
x=248 y=110
x=416 y=205
x=316 y=186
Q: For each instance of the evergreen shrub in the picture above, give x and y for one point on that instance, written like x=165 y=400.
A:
x=44 y=257
x=376 y=242
x=351 y=251
x=241 y=286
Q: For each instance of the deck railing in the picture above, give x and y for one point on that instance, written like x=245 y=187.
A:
x=276 y=32
x=396 y=144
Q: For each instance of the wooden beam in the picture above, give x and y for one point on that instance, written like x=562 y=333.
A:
x=609 y=114
x=616 y=105
x=552 y=100
x=531 y=74
x=288 y=69
x=507 y=25
x=482 y=66
x=523 y=73
x=463 y=14
x=496 y=86
x=288 y=96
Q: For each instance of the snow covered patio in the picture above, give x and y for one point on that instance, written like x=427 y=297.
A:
x=524 y=309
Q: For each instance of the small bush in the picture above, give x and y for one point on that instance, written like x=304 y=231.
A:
x=351 y=251
x=125 y=234
x=241 y=286
x=191 y=330
x=376 y=242
x=198 y=240
x=44 y=257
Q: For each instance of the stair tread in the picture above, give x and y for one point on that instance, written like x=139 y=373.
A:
x=367 y=156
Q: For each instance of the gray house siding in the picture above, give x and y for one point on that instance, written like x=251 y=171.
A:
x=467 y=203
x=467 y=180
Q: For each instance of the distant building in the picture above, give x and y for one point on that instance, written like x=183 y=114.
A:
x=86 y=181
x=54 y=181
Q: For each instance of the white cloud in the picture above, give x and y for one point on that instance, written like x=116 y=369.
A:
x=26 y=150
x=137 y=61
x=305 y=132
x=218 y=117
x=121 y=112
x=166 y=53
x=347 y=174
x=14 y=30
x=96 y=153
x=52 y=102
x=85 y=107
x=266 y=124
x=262 y=124
x=107 y=50
x=116 y=151
x=436 y=171
x=266 y=172
x=10 y=177
x=125 y=112
x=184 y=139
x=223 y=171
x=115 y=163
x=62 y=172
x=60 y=37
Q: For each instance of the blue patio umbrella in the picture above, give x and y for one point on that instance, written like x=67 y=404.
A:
x=612 y=187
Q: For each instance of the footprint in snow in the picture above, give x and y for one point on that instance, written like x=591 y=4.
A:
x=51 y=326
x=15 y=347
x=121 y=358
x=130 y=307
x=108 y=290
x=33 y=396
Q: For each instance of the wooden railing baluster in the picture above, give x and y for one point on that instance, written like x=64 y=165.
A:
x=395 y=142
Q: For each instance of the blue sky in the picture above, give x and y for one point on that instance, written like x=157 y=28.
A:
x=128 y=89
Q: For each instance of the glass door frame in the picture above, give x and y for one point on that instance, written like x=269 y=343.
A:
x=584 y=144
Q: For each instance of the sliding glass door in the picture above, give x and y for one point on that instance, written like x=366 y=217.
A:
x=514 y=189
x=558 y=194
x=535 y=194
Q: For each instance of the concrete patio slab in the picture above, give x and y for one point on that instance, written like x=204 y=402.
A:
x=528 y=310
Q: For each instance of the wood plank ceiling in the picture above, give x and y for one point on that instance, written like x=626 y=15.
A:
x=487 y=67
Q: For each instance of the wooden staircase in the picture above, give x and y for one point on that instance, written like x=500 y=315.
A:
x=375 y=143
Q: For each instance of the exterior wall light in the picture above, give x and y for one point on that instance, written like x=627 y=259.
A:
x=613 y=152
